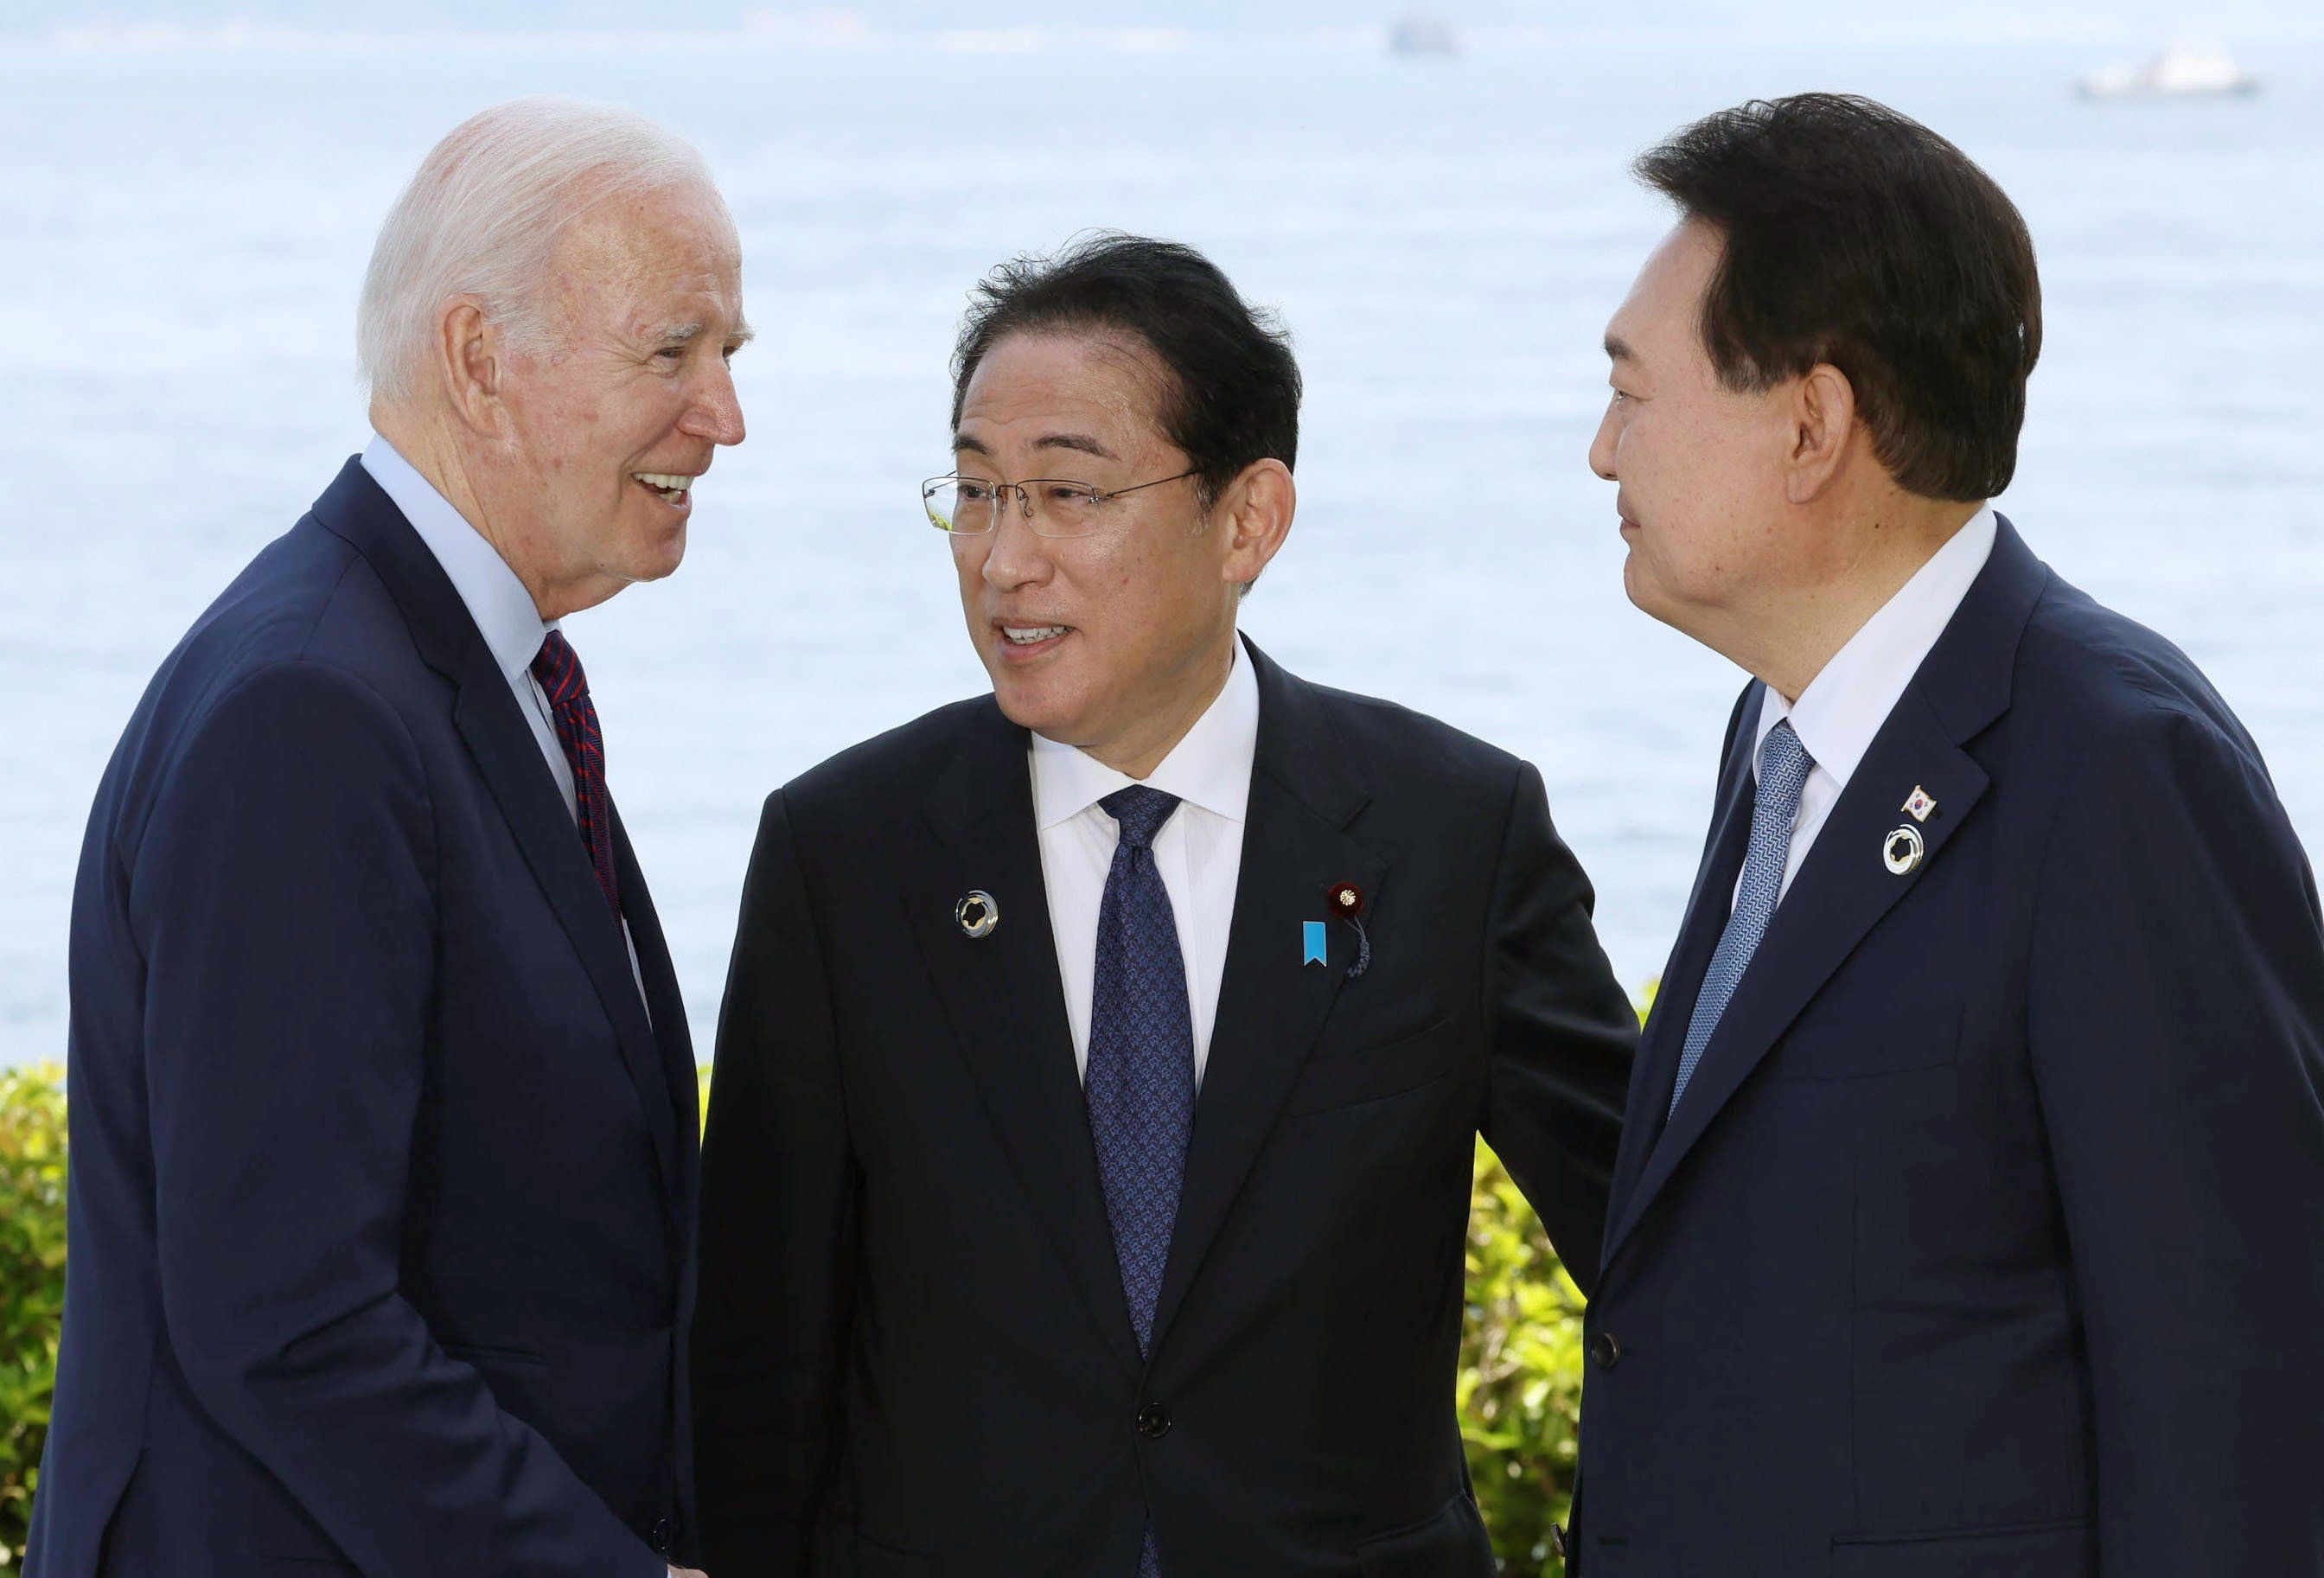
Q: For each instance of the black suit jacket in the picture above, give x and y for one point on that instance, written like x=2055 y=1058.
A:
x=914 y=1353
x=1986 y=1240
x=381 y=1177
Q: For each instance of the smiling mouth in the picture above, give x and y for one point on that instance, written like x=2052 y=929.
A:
x=1029 y=639
x=673 y=488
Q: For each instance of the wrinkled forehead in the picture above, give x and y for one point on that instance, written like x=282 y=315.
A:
x=677 y=240
x=1063 y=381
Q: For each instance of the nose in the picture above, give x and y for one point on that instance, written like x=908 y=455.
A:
x=715 y=414
x=1015 y=554
x=1601 y=447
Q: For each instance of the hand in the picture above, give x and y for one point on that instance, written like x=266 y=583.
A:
x=687 y=1573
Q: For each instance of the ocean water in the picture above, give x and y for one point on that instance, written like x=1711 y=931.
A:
x=182 y=230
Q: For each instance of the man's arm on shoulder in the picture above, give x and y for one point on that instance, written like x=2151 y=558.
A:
x=779 y=1192
x=2176 y=1014
x=1562 y=1033
x=281 y=896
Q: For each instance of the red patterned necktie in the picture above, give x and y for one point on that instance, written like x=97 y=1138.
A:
x=558 y=669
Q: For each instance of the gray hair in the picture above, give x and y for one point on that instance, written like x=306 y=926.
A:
x=485 y=212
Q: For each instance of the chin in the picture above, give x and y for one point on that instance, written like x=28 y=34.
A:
x=660 y=559
x=1630 y=582
x=1035 y=704
x=1646 y=595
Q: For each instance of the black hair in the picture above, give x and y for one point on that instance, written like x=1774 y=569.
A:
x=1856 y=237
x=1233 y=387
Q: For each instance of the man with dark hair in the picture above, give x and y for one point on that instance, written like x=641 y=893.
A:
x=1103 y=1058
x=1986 y=1069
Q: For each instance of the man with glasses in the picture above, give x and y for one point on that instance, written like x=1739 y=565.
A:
x=1103 y=1060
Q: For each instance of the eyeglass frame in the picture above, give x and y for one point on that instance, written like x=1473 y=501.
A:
x=1025 y=500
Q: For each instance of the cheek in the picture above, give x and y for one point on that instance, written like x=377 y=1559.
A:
x=968 y=555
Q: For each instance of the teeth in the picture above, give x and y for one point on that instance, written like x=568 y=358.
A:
x=1026 y=635
x=669 y=482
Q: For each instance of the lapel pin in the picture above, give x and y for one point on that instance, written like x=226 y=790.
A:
x=1902 y=849
x=1347 y=902
x=1920 y=804
x=977 y=914
x=1311 y=943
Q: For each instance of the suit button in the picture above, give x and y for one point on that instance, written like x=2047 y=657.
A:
x=660 y=1537
x=1153 y=1421
x=1605 y=1350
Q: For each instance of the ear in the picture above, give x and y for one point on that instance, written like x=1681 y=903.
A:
x=471 y=360
x=1253 y=517
x=1823 y=419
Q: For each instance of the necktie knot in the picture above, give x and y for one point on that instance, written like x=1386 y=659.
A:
x=1784 y=766
x=558 y=669
x=1140 y=811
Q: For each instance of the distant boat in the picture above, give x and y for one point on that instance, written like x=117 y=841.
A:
x=1422 y=35
x=2180 y=72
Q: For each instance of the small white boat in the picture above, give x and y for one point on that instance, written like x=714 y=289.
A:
x=1422 y=35
x=2180 y=72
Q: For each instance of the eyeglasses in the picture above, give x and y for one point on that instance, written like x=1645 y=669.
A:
x=965 y=506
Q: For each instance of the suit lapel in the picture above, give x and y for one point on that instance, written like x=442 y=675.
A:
x=1660 y=1043
x=1843 y=888
x=667 y=1006
x=1005 y=1005
x=1304 y=794
x=507 y=754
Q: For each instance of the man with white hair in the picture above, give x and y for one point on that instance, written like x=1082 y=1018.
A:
x=382 y=1104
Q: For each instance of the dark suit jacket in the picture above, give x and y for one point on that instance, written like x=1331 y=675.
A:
x=914 y=1353
x=1990 y=1236
x=379 y=1176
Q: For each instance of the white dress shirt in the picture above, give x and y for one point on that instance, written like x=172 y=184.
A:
x=1199 y=851
x=504 y=612
x=1841 y=710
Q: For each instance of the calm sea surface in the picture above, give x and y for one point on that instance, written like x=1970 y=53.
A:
x=183 y=232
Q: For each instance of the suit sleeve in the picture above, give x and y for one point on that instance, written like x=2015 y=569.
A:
x=283 y=899
x=2176 y=1018
x=1562 y=1033
x=778 y=1191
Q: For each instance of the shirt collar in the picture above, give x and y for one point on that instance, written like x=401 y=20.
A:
x=503 y=611
x=1841 y=710
x=1209 y=768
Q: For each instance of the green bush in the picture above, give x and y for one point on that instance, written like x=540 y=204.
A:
x=1519 y=1390
x=32 y=1285
x=1520 y=1387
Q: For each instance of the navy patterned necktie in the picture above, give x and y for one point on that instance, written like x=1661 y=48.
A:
x=1140 y=1079
x=1783 y=767
x=558 y=669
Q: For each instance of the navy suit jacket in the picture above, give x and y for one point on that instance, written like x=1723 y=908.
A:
x=1990 y=1236
x=381 y=1175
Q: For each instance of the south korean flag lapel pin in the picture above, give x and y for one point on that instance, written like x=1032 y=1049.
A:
x=1905 y=848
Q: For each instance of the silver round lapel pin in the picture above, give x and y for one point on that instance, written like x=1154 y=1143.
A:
x=1903 y=849
x=978 y=913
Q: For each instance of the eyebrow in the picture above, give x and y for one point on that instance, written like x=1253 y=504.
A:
x=678 y=334
x=1080 y=443
x=1619 y=348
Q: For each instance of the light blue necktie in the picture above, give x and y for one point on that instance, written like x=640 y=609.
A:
x=1140 y=1079
x=1784 y=764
